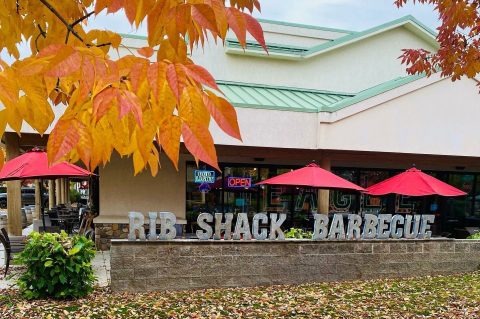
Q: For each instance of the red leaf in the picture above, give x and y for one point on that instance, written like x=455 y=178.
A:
x=204 y=16
x=129 y=102
x=236 y=21
x=103 y=101
x=201 y=75
x=176 y=80
x=255 y=29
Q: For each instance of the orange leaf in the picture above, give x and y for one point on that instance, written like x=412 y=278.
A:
x=223 y=113
x=103 y=101
x=65 y=63
x=204 y=16
x=201 y=75
x=129 y=102
x=236 y=21
x=169 y=138
x=63 y=138
x=199 y=143
x=145 y=51
x=176 y=80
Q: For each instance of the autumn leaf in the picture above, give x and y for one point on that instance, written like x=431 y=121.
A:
x=119 y=105
x=223 y=113
x=63 y=139
x=103 y=101
x=145 y=51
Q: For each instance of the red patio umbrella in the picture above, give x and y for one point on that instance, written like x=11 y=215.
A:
x=312 y=176
x=414 y=182
x=34 y=164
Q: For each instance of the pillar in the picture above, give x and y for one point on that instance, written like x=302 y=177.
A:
x=324 y=194
x=67 y=191
x=57 y=191
x=38 y=200
x=51 y=194
x=62 y=191
x=14 y=196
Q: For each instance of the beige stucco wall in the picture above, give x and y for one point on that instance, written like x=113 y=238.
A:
x=121 y=192
x=441 y=118
x=352 y=68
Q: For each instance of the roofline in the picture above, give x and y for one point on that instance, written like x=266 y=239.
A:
x=304 y=26
x=374 y=91
x=414 y=25
x=255 y=85
x=372 y=99
x=133 y=36
x=428 y=34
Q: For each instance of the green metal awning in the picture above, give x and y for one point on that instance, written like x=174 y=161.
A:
x=280 y=98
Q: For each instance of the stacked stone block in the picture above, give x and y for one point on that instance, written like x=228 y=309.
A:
x=192 y=264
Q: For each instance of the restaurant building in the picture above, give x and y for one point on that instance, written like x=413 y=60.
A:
x=341 y=98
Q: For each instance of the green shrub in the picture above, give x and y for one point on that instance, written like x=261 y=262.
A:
x=58 y=266
x=75 y=196
x=298 y=233
x=474 y=236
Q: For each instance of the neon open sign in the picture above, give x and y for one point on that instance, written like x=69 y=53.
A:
x=239 y=182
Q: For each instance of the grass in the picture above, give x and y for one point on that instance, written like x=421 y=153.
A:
x=456 y=296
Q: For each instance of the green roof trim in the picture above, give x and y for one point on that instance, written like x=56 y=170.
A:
x=272 y=47
x=368 y=32
x=279 y=98
x=374 y=91
x=133 y=36
x=291 y=52
x=304 y=26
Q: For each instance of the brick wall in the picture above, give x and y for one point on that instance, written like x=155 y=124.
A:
x=189 y=264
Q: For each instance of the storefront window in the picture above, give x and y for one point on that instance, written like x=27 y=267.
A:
x=344 y=202
x=234 y=191
x=461 y=207
x=372 y=204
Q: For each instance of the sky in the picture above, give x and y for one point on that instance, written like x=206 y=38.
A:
x=353 y=15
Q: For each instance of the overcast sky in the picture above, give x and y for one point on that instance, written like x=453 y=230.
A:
x=344 y=14
x=354 y=15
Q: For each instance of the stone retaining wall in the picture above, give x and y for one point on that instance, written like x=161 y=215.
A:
x=105 y=232
x=191 y=264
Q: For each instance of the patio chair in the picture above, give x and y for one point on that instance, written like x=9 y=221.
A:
x=12 y=245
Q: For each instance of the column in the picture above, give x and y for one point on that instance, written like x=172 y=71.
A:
x=67 y=191
x=14 y=197
x=324 y=194
x=62 y=191
x=57 y=191
x=51 y=194
x=38 y=200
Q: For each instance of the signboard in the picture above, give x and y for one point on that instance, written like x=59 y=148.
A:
x=239 y=182
x=203 y=176
x=268 y=226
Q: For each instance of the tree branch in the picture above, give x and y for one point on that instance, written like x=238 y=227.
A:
x=62 y=19
x=42 y=33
